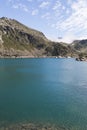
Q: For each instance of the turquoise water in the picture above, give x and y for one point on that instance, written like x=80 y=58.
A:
x=44 y=90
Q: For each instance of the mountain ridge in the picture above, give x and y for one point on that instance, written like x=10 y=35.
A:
x=18 y=40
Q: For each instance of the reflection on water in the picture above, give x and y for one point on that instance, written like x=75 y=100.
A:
x=44 y=90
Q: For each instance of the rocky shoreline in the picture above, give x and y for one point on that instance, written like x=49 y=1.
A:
x=81 y=59
x=27 y=56
x=31 y=126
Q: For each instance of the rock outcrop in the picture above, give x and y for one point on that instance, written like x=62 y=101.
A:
x=18 y=40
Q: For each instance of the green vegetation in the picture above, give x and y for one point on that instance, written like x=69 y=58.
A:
x=11 y=42
x=18 y=37
x=58 y=49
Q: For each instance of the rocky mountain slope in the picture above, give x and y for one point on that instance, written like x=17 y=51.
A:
x=81 y=48
x=17 y=40
x=80 y=45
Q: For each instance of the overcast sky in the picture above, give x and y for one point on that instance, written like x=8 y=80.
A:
x=55 y=18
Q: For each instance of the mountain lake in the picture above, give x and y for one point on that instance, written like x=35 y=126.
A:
x=44 y=90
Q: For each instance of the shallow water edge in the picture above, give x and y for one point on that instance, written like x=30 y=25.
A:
x=34 y=126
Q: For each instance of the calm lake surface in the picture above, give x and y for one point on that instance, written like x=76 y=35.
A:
x=44 y=90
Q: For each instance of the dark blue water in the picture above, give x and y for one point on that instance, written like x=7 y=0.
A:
x=44 y=90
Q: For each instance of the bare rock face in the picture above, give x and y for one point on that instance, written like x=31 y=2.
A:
x=18 y=40
x=1 y=41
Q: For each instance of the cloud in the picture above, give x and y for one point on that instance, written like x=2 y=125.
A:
x=69 y=2
x=17 y=5
x=58 y=8
x=44 y=4
x=46 y=15
x=69 y=37
x=67 y=11
x=77 y=21
x=69 y=16
x=13 y=1
x=21 y=6
x=57 y=5
x=35 y=12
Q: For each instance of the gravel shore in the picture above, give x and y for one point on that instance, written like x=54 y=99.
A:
x=31 y=126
